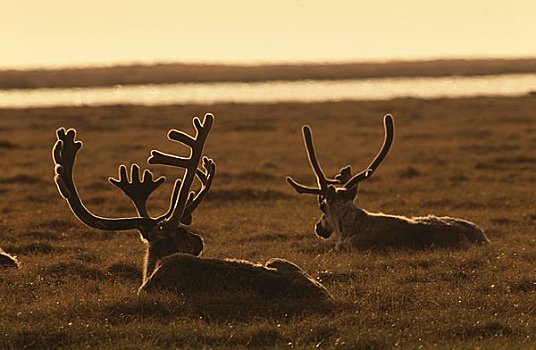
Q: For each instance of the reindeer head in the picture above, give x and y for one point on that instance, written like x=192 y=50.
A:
x=165 y=234
x=334 y=194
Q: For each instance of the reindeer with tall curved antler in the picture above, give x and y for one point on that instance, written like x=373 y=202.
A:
x=357 y=228
x=171 y=259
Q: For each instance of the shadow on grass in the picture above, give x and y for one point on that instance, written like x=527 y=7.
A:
x=243 y=306
x=125 y=311
x=164 y=307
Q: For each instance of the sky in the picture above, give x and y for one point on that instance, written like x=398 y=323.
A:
x=56 y=33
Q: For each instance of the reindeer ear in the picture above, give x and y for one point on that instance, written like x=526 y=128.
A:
x=331 y=192
x=187 y=220
x=150 y=234
x=344 y=174
x=321 y=231
x=351 y=193
x=146 y=235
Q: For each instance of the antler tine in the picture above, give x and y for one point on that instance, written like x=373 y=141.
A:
x=190 y=164
x=64 y=155
x=206 y=183
x=387 y=142
x=301 y=188
x=311 y=154
x=344 y=175
x=174 y=196
x=196 y=144
x=321 y=179
x=206 y=180
x=138 y=190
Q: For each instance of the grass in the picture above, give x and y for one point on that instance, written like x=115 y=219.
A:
x=472 y=158
x=202 y=73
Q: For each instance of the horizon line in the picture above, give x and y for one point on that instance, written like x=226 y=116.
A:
x=255 y=63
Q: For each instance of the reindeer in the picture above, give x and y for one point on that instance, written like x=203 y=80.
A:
x=7 y=260
x=172 y=259
x=357 y=228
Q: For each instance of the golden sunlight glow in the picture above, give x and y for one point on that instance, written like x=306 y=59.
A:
x=56 y=32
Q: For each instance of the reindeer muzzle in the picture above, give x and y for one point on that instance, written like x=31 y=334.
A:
x=197 y=245
x=321 y=231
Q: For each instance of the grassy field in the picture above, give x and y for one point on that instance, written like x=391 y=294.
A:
x=473 y=158
x=200 y=73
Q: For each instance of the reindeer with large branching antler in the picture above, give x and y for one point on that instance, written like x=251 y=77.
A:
x=356 y=228
x=171 y=259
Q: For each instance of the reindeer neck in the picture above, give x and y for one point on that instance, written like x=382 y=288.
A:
x=148 y=266
x=347 y=218
x=152 y=256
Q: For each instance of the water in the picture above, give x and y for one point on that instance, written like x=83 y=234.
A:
x=276 y=91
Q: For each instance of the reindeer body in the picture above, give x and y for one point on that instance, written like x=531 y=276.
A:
x=172 y=263
x=357 y=228
x=7 y=260
x=354 y=227
x=190 y=275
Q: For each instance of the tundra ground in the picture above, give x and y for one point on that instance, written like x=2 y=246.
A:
x=473 y=158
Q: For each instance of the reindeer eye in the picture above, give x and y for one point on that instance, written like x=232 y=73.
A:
x=160 y=226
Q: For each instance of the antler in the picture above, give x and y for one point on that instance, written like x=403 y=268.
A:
x=389 y=127
x=321 y=179
x=194 y=199
x=345 y=175
x=64 y=155
x=137 y=190
x=206 y=178
x=181 y=190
